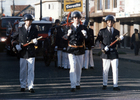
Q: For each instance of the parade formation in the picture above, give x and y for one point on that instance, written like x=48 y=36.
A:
x=70 y=44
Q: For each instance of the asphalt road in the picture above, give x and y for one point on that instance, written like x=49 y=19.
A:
x=53 y=83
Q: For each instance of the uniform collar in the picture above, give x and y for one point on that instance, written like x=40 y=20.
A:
x=28 y=27
x=75 y=25
x=112 y=29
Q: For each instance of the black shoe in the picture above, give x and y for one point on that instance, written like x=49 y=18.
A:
x=116 y=89
x=91 y=67
x=59 y=67
x=65 y=69
x=84 y=69
x=32 y=90
x=22 y=90
x=73 y=90
x=78 y=87
x=104 y=87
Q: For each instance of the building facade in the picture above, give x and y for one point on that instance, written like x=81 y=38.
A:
x=126 y=12
x=50 y=8
x=129 y=16
x=22 y=9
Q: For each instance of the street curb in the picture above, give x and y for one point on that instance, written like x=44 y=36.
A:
x=130 y=60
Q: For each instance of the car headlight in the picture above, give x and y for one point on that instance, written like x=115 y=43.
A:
x=3 y=39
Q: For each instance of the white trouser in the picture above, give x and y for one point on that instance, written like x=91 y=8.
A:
x=65 y=60
x=88 y=59
x=27 y=72
x=91 y=62
x=106 y=66
x=76 y=63
x=59 y=58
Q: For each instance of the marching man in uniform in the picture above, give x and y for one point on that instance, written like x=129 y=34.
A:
x=89 y=43
x=110 y=56
x=76 y=35
x=27 y=54
x=59 y=42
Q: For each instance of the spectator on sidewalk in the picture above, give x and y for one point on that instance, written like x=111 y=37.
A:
x=109 y=55
x=135 y=41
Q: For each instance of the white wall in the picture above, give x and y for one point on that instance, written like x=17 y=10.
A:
x=54 y=11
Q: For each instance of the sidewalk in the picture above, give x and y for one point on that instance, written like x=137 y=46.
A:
x=124 y=54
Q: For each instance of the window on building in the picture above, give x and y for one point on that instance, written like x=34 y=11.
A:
x=99 y=5
x=107 y=4
x=62 y=6
x=114 y=3
x=49 y=6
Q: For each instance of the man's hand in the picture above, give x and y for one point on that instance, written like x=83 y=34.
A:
x=106 y=48
x=56 y=48
x=18 y=47
x=121 y=37
x=35 y=41
x=69 y=32
x=84 y=32
x=64 y=48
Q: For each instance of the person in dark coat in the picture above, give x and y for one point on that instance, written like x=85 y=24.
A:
x=109 y=55
x=59 y=42
x=135 y=41
x=25 y=34
x=76 y=35
x=65 y=60
x=89 y=44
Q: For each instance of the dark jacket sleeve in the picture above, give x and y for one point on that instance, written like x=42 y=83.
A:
x=15 y=38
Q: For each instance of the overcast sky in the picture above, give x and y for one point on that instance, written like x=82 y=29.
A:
x=8 y=3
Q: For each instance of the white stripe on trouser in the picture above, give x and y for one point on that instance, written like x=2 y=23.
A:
x=59 y=58
x=65 y=60
x=106 y=66
x=88 y=59
x=27 y=72
x=91 y=62
x=76 y=63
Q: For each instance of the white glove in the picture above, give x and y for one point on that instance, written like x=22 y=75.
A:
x=56 y=48
x=84 y=32
x=64 y=48
x=35 y=41
x=121 y=37
x=69 y=32
x=18 y=47
x=106 y=48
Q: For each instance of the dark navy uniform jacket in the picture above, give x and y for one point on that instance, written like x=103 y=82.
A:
x=106 y=38
x=59 y=40
x=22 y=36
x=76 y=38
x=89 y=42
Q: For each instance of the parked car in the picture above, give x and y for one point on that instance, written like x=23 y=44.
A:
x=4 y=21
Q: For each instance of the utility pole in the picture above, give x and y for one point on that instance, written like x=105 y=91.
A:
x=87 y=10
x=40 y=9
x=1 y=7
x=13 y=8
x=61 y=10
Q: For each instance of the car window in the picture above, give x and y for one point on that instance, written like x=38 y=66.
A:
x=42 y=28
x=5 y=21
